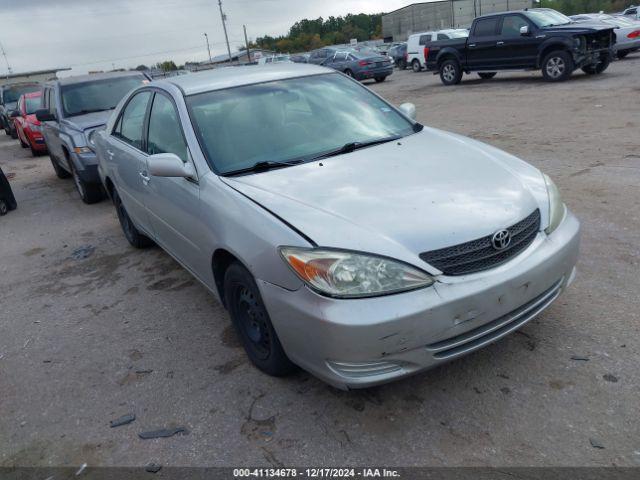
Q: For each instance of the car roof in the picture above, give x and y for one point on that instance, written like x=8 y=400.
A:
x=229 y=77
x=92 y=77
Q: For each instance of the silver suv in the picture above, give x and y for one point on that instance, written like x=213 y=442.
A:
x=73 y=107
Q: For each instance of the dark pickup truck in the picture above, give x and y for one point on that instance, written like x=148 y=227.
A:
x=523 y=40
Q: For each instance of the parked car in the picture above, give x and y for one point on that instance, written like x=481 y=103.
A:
x=300 y=58
x=524 y=40
x=73 y=108
x=632 y=12
x=399 y=55
x=627 y=31
x=9 y=95
x=416 y=52
x=274 y=59
x=361 y=65
x=26 y=125
x=337 y=238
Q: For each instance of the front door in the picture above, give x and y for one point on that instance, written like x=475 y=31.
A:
x=174 y=203
x=51 y=130
x=482 y=45
x=127 y=161
x=516 y=50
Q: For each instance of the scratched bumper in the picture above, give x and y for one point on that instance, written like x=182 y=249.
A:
x=364 y=342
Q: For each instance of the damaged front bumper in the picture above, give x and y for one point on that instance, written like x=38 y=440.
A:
x=364 y=342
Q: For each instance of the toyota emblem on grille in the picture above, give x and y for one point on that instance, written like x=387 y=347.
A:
x=501 y=239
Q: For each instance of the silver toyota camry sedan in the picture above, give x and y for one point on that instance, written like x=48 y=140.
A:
x=341 y=235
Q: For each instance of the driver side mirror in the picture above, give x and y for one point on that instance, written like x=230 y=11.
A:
x=14 y=114
x=524 y=30
x=409 y=109
x=43 y=115
x=169 y=165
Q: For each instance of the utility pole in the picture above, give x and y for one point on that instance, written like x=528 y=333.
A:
x=208 y=48
x=4 y=54
x=247 y=42
x=224 y=26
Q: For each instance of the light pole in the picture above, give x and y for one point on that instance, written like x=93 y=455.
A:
x=208 y=48
x=224 y=26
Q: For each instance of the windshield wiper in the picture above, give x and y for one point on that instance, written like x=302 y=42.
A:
x=85 y=112
x=352 y=146
x=261 y=167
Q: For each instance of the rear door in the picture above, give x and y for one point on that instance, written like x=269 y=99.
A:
x=482 y=51
x=513 y=49
x=174 y=203
x=126 y=159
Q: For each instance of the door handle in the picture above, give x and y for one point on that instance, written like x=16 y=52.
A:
x=500 y=43
x=110 y=153
x=145 y=177
x=471 y=45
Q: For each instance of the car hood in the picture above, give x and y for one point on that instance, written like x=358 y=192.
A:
x=588 y=26
x=428 y=191
x=89 y=120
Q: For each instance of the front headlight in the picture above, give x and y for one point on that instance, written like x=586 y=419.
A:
x=556 y=206
x=345 y=274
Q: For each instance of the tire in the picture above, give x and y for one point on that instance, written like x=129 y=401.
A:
x=22 y=144
x=34 y=152
x=623 y=53
x=487 y=75
x=60 y=172
x=14 y=134
x=348 y=73
x=131 y=233
x=89 y=192
x=252 y=323
x=450 y=72
x=557 y=66
x=4 y=208
x=402 y=64
x=415 y=66
x=597 y=68
x=380 y=79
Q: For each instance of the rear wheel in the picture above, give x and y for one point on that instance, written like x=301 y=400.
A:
x=486 y=75
x=623 y=53
x=557 y=66
x=131 y=233
x=380 y=79
x=598 y=67
x=415 y=66
x=348 y=73
x=4 y=208
x=89 y=192
x=402 y=64
x=251 y=320
x=450 y=72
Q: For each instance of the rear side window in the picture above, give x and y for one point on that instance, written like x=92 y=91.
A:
x=424 y=39
x=486 y=27
x=442 y=36
x=129 y=127
x=165 y=131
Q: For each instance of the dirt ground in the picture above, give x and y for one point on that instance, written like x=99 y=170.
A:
x=86 y=340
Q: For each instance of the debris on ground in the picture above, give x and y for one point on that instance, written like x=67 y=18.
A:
x=123 y=420
x=83 y=252
x=595 y=443
x=153 y=468
x=578 y=358
x=163 y=433
x=610 y=378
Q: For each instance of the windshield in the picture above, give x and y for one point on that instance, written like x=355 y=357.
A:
x=287 y=120
x=12 y=94
x=547 y=18
x=32 y=104
x=95 y=96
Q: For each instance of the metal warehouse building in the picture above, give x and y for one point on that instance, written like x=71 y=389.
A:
x=425 y=16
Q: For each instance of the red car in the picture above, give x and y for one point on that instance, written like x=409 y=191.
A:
x=27 y=125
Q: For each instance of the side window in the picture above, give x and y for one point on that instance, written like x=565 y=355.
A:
x=511 y=25
x=129 y=127
x=424 y=39
x=442 y=36
x=165 y=131
x=486 y=27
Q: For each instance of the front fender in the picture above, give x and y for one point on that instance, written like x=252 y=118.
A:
x=551 y=44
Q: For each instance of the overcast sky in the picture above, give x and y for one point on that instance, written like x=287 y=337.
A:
x=94 y=34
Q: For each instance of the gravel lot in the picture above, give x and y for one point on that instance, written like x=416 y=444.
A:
x=86 y=340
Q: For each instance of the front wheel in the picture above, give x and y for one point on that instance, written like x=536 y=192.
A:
x=89 y=192
x=557 y=66
x=450 y=72
x=4 y=208
x=22 y=143
x=60 y=172
x=486 y=75
x=380 y=79
x=251 y=320
x=596 y=68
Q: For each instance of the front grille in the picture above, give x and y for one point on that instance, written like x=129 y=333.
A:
x=478 y=255
x=498 y=328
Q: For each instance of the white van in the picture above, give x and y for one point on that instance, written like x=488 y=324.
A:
x=416 y=44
